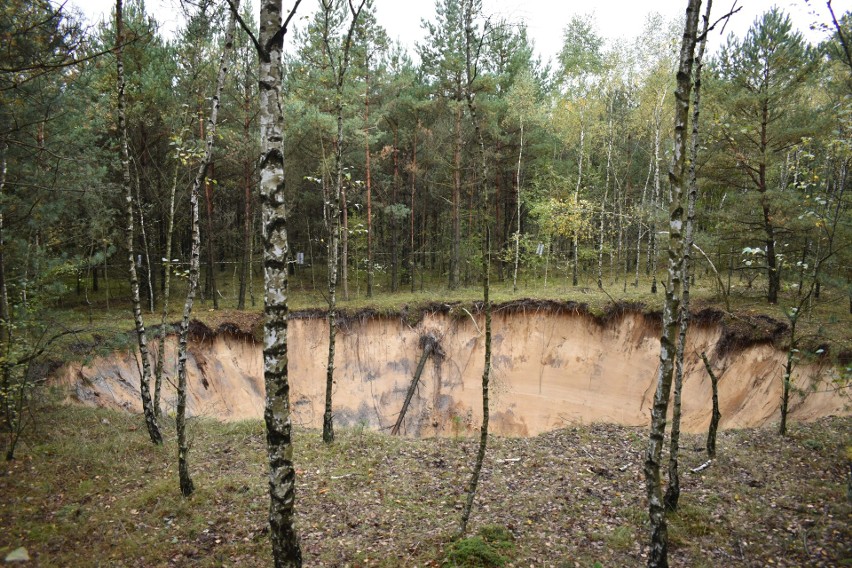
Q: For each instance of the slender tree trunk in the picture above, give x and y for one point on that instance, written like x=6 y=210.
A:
x=658 y=553
x=656 y=200
x=576 y=246
x=673 y=489
x=787 y=379
x=368 y=180
x=394 y=222
x=518 y=210
x=601 y=233
x=486 y=269
x=186 y=485
x=716 y=415
x=413 y=187
x=455 y=245
x=167 y=278
x=5 y=313
x=211 y=251
x=772 y=269
x=245 y=273
x=344 y=244
x=142 y=339
x=143 y=234
x=340 y=68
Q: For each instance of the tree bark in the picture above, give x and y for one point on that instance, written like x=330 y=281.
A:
x=576 y=246
x=518 y=210
x=658 y=553
x=428 y=343
x=716 y=415
x=340 y=68
x=673 y=489
x=455 y=245
x=368 y=179
x=211 y=252
x=245 y=272
x=286 y=551
x=471 y=71
x=142 y=339
x=167 y=278
x=186 y=485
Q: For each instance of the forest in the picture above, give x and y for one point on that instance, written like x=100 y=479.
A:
x=351 y=174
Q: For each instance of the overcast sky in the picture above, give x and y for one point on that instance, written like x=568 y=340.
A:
x=545 y=19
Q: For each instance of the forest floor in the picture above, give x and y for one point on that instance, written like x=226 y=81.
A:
x=88 y=489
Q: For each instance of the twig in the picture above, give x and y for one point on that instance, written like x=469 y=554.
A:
x=702 y=467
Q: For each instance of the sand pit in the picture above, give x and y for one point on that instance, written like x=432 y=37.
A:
x=550 y=369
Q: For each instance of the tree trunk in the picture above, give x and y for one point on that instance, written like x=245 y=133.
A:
x=142 y=339
x=394 y=222
x=211 y=252
x=167 y=278
x=601 y=233
x=186 y=485
x=655 y=200
x=518 y=211
x=413 y=262
x=577 y=199
x=673 y=489
x=334 y=216
x=773 y=273
x=658 y=553
x=368 y=180
x=245 y=272
x=428 y=342
x=5 y=313
x=716 y=415
x=455 y=245
x=486 y=266
x=143 y=234
x=286 y=552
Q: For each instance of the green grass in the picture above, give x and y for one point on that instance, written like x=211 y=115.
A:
x=106 y=325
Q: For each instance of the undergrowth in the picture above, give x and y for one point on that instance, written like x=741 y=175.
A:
x=89 y=489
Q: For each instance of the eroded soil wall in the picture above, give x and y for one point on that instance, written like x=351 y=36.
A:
x=549 y=370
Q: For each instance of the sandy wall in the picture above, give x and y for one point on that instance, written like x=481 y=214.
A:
x=549 y=370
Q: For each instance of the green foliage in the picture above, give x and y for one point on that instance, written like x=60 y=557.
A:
x=474 y=552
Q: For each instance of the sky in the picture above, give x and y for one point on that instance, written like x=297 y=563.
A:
x=545 y=19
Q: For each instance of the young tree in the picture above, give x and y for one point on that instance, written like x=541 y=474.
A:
x=473 y=40
x=673 y=489
x=186 y=485
x=338 y=58
x=658 y=554
x=145 y=378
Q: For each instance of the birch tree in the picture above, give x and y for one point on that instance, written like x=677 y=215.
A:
x=338 y=58
x=141 y=336
x=673 y=488
x=286 y=551
x=186 y=485
x=658 y=554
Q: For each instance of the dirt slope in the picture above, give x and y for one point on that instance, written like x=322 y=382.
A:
x=550 y=370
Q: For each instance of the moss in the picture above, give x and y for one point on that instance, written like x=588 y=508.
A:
x=474 y=552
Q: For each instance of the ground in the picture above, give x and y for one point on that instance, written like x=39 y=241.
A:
x=89 y=489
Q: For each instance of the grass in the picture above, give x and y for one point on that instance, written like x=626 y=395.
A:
x=89 y=489
x=106 y=325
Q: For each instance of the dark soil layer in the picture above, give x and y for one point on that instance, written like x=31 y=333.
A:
x=88 y=489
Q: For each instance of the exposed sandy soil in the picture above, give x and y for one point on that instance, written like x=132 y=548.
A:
x=551 y=369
